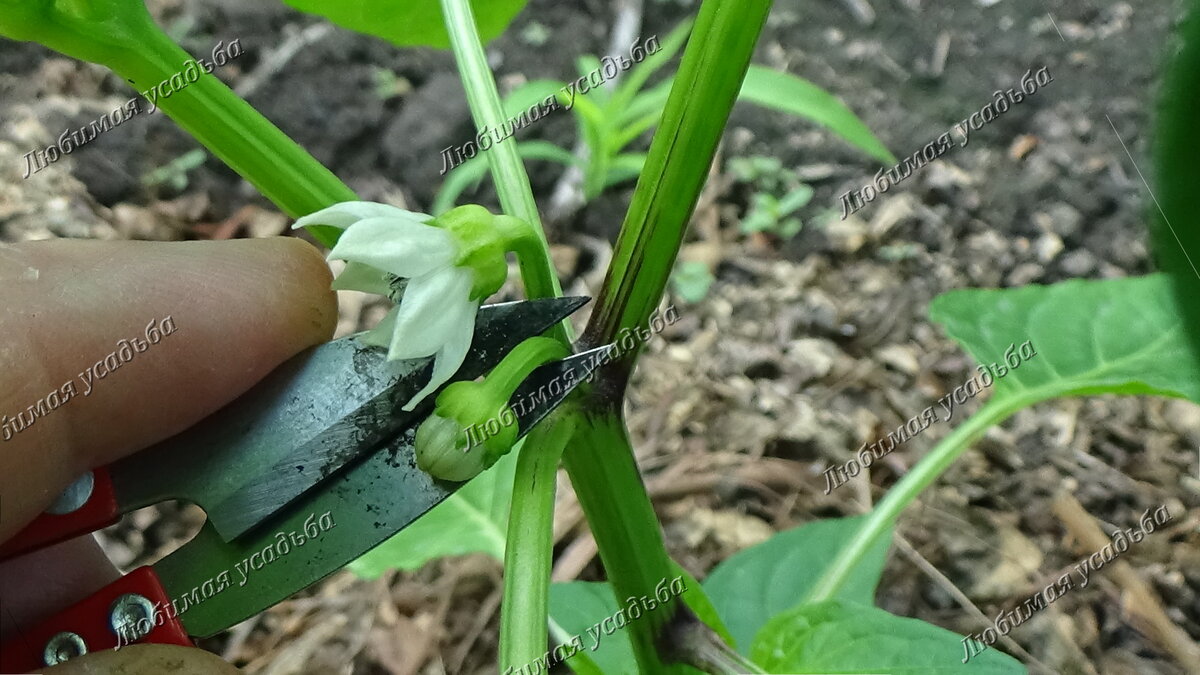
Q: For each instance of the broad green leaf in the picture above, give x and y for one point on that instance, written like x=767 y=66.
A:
x=754 y=585
x=1120 y=336
x=411 y=22
x=580 y=662
x=845 y=637
x=472 y=520
x=796 y=96
x=579 y=607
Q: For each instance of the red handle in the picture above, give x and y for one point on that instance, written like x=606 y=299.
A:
x=90 y=623
x=100 y=510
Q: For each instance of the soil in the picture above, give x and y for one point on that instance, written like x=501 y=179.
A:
x=800 y=351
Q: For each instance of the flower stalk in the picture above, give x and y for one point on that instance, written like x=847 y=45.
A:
x=508 y=173
x=529 y=556
x=525 y=609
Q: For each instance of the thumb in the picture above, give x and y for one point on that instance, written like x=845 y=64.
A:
x=239 y=308
x=146 y=660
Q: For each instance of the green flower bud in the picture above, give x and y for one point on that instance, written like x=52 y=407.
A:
x=446 y=445
x=472 y=426
x=442 y=450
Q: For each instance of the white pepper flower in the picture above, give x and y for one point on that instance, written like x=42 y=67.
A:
x=437 y=270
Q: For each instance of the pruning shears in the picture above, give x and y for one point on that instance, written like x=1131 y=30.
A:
x=305 y=472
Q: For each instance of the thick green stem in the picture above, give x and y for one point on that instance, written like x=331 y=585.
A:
x=602 y=466
x=624 y=523
x=906 y=490
x=235 y=132
x=702 y=96
x=703 y=649
x=530 y=545
x=508 y=173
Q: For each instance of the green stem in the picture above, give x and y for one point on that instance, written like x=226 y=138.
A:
x=530 y=544
x=703 y=649
x=235 y=132
x=508 y=173
x=525 y=608
x=602 y=466
x=702 y=96
x=1174 y=233
x=906 y=490
x=522 y=238
x=520 y=362
x=624 y=523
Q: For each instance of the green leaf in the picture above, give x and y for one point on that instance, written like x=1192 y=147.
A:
x=592 y=127
x=696 y=598
x=1120 y=336
x=627 y=166
x=637 y=78
x=586 y=66
x=772 y=577
x=844 y=637
x=519 y=100
x=795 y=200
x=647 y=104
x=692 y=280
x=796 y=96
x=411 y=22
x=468 y=174
x=578 y=607
x=472 y=520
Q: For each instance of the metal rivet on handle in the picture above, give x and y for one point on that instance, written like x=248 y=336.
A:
x=76 y=495
x=131 y=617
x=63 y=647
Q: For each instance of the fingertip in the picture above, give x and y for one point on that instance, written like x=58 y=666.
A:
x=313 y=280
x=237 y=309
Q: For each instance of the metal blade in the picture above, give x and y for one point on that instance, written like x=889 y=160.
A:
x=537 y=396
x=371 y=501
x=306 y=420
x=375 y=422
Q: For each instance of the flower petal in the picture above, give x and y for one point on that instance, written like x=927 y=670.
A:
x=449 y=359
x=435 y=307
x=345 y=214
x=403 y=247
x=360 y=277
x=381 y=334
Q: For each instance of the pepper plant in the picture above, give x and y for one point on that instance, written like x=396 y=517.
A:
x=801 y=602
